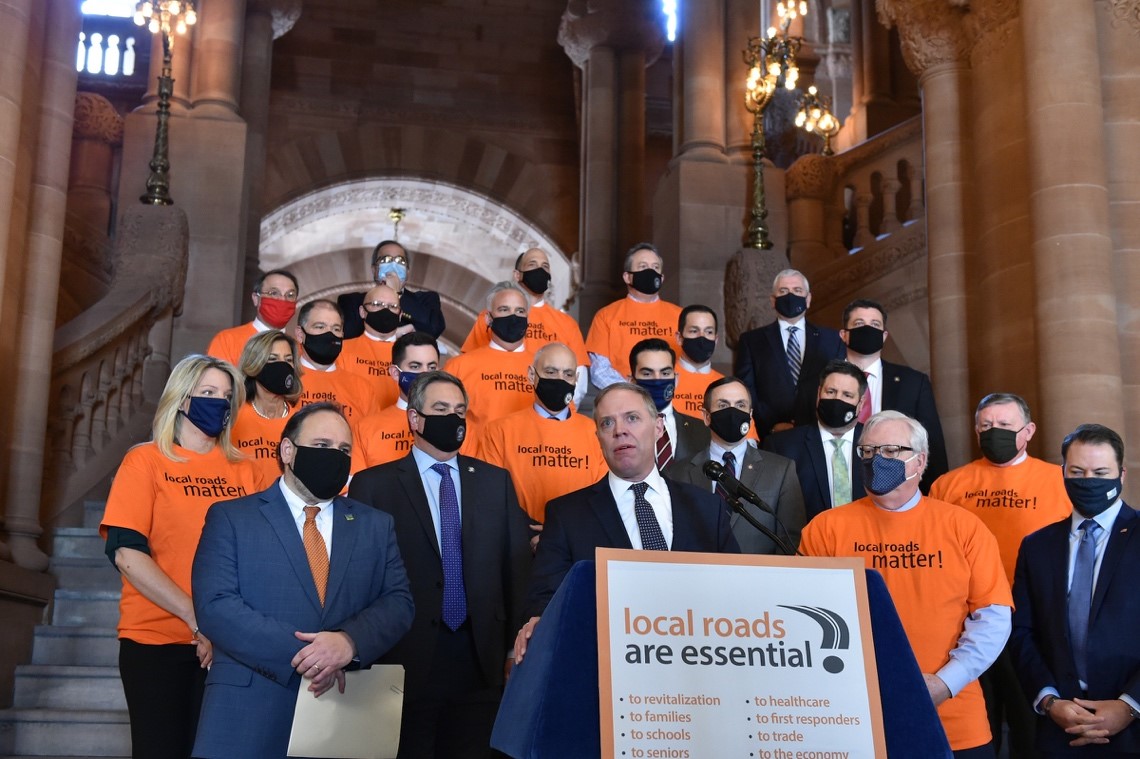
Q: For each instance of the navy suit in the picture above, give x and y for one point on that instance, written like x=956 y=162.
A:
x=1040 y=638
x=768 y=475
x=804 y=446
x=762 y=365
x=579 y=522
x=420 y=307
x=253 y=590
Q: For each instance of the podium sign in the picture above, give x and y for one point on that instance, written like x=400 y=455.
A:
x=722 y=655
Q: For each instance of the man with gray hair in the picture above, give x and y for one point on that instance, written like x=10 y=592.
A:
x=941 y=565
x=1014 y=494
x=781 y=361
x=496 y=375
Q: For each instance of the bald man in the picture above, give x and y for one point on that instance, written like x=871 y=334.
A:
x=370 y=355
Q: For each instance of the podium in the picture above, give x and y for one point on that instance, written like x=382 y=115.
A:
x=550 y=709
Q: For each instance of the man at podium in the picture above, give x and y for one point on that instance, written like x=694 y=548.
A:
x=631 y=507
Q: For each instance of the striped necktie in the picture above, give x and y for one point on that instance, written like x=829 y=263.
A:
x=795 y=357
x=664 y=448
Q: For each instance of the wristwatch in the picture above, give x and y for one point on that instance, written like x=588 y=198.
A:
x=1047 y=703
x=1131 y=709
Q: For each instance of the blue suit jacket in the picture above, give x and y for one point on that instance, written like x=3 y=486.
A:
x=1040 y=637
x=804 y=446
x=579 y=522
x=253 y=590
x=762 y=365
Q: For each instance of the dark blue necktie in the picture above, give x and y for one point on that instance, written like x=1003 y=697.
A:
x=1080 y=595
x=795 y=358
x=729 y=459
x=652 y=539
x=451 y=550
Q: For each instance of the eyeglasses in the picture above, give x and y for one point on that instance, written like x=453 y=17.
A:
x=392 y=260
x=886 y=451
x=375 y=305
x=278 y=295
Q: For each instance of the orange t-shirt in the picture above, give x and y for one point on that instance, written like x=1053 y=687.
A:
x=496 y=384
x=624 y=323
x=546 y=457
x=370 y=359
x=382 y=437
x=229 y=343
x=1012 y=501
x=940 y=564
x=545 y=324
x=257 y=437
x=166 y=501
x=350 y=390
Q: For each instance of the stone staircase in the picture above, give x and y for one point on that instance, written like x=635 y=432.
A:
x=68 y=701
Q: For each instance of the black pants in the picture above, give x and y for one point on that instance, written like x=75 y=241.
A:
x=1006 y=702
x=978 y=752
x=453 y=720
x=163 y=686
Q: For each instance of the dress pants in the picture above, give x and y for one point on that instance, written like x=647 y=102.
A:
x=163 y=686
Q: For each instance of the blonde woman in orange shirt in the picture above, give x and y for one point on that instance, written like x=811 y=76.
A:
x=272 y=387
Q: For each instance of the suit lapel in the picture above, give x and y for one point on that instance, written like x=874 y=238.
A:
x=814 y=445
x=468 y=483
x=1122 y=532
x=890 y=387
x=343 y=545
x=413 y=486
x=606 y=511
x=1057 y=577
x=776 y=344
x=277 y=513
x=684 y=528
x=857 y=489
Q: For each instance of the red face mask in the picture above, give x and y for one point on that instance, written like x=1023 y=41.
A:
x=276 y=312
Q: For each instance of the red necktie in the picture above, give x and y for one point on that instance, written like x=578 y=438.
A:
x=664 y=448
x=865 y=412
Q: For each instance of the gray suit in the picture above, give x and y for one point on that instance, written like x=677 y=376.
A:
x=769 y=476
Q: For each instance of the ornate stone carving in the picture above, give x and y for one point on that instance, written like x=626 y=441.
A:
x=97 y=119
x=285 y=13
x=811 y=176
x=1127 y=12
x=991 y=24
x=620 y=24
x=931 y=31
x=747 y=280
x=839 y=26
x=904 y=247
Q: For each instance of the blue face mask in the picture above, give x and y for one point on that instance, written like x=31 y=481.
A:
x=660 y=389
x=882 y=475
x=1092 y=495
x=391 y=267
x=210 y=415
x=405 y=382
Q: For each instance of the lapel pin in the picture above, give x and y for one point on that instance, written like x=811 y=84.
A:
x=750 y=467
x=470 y=470
x=349 y=517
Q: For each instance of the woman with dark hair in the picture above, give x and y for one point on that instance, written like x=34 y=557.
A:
x=152 y=523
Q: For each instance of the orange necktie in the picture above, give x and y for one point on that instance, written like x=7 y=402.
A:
x=316 y=551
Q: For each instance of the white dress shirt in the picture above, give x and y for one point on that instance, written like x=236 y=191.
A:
x=785 y=325
x=324 y=518
x=659 y=500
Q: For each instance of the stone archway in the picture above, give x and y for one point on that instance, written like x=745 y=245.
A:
x=461 y=242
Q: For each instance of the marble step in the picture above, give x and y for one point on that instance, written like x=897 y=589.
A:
x=58 y=732
x=76 y=646
x=86 y=608
x=85 y=574
x=52 y=686
x=78 y=543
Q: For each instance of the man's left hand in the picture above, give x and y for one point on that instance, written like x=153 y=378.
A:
x=936 y=688
x=1114 y=712
x=318 y=688
x=326 y=653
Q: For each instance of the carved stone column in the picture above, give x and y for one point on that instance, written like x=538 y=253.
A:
x=217 y=58
x=265 y=21
x=41 y=285
x=698 y=59
x=611 y=41
x=810 y=185
x=1072 y=240
x=935 y=48
x=97 y=132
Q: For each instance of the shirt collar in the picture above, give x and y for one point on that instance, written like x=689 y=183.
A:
x=496 y=347
x=561 y=416
x=1105 y=518
x=826 y=436
x=380 y=338
x=716 y=452
x=692 y=368
x=402 y=404
x=295 y=502
x=654 y=480
x=260 y=326
x=797 y=322
x=307 y=364
x=424 y=462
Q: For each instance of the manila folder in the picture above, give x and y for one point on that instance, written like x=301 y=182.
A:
x=361 y=723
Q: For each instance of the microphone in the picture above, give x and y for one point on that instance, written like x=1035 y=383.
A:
x=734 y=487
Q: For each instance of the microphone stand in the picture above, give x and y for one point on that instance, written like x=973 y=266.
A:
x=738 y=507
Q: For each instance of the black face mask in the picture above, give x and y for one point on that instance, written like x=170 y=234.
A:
x=835 y=412
x=555 y=394
x=323 y=471
x=444 y=431
x=699 y=349
x=646 y=281
x=1092 y=495
x=730 y=424
x=999 y=445
x=323 y=349
x=278 y=377
x=790 y=305
x=536 y=280
x=509 y=329
x=383 y=321
x=865 y=340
